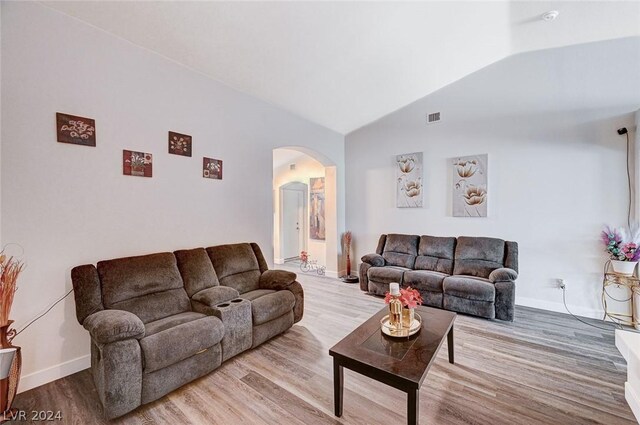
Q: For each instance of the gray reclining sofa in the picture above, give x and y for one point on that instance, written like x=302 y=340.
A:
x=472 y=275
x=162 y=320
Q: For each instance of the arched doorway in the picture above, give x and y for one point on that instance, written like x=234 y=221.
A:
x=293 y=220
x=295 y=168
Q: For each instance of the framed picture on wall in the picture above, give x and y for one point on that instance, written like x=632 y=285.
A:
x=137 y=164
x=179 y=144
x=409 y=180
x=470 y=192
x=75 y=130
x=316 y=208
x=212 y=168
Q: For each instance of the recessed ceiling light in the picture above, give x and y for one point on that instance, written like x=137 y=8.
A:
x=550 y=16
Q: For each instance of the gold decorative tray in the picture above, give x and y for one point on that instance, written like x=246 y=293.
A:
x=402 y=332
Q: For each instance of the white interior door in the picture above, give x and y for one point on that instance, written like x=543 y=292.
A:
x=293 y=231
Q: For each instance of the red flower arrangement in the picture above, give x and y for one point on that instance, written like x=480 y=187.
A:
x=304 y=257
x=409 y=297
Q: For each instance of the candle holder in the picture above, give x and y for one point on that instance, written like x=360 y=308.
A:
x=391 y=329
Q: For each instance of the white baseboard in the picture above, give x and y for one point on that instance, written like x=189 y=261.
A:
x=633 y=400
x=52 y=373
x=278 y=261
x=330 y=273
x=559 y=307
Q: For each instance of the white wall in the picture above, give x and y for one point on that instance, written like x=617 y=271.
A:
x=634 y=163
x=69 y=205
x=306 y=168
x=548 y=121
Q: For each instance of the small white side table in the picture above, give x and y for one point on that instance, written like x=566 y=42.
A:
x=628 y=343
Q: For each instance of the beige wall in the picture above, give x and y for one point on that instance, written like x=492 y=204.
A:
x=548 y=122
x=68 y=205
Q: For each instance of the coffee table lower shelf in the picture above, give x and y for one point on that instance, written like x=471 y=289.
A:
x=375 y=356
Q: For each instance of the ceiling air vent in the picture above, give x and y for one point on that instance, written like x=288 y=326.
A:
x=433 y=118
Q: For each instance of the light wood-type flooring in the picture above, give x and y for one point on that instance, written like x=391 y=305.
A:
x=544 y=368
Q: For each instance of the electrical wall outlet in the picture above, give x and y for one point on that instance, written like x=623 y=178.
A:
x=561 y=283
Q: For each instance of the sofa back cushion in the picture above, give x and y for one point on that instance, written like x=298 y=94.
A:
x=381 y=242
x=236 y=266
x=196 y=270
x=401 y=250
x=148 y=286
x=476 y=256
x=436 y=254
x=86 y=291
x=511 y=256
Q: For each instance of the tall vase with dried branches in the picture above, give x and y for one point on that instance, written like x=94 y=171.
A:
x=346 y=243
x=347 y=247
x=10 y=269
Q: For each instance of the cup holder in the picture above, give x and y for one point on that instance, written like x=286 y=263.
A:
x=224 y=305
x=237 y=300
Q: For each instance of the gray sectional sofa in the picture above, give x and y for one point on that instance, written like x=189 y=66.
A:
x=159 y=321
x=472 y=275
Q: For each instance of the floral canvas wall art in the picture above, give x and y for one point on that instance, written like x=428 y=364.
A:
x=212 y=168
x=179 y=144
x=316 y=210
x=409 y=180
x=75 y=130
x=470 y=194
x=137 y=163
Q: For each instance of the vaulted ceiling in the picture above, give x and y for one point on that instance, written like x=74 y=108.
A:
x=346 y=64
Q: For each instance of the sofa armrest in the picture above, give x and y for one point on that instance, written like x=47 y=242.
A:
x=375 y=260
x=276 y=279
x=298 y=293
x=108 y=326
x=503 y=275
x=215 y=295
x=505 y=302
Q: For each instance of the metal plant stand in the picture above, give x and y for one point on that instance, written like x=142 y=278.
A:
x=632 y=283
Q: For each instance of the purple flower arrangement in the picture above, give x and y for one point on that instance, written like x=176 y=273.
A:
x=619 y=246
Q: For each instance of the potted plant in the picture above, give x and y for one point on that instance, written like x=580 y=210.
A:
x=410 y=299
x=622 y=249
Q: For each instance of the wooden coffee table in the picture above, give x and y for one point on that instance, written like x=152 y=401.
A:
x=402 y=363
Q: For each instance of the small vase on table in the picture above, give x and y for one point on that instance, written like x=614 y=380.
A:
x=408 y=315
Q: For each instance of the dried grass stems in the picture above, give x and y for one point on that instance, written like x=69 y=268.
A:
x=347 y=242
x=10 y=269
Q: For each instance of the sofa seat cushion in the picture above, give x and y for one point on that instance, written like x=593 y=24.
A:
x=252 y=295
x=215 y=295
x=469 y=287
x=192 y=333
x=271 y=306
x=386 y=274
x=171 y=321
x=424 y=280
